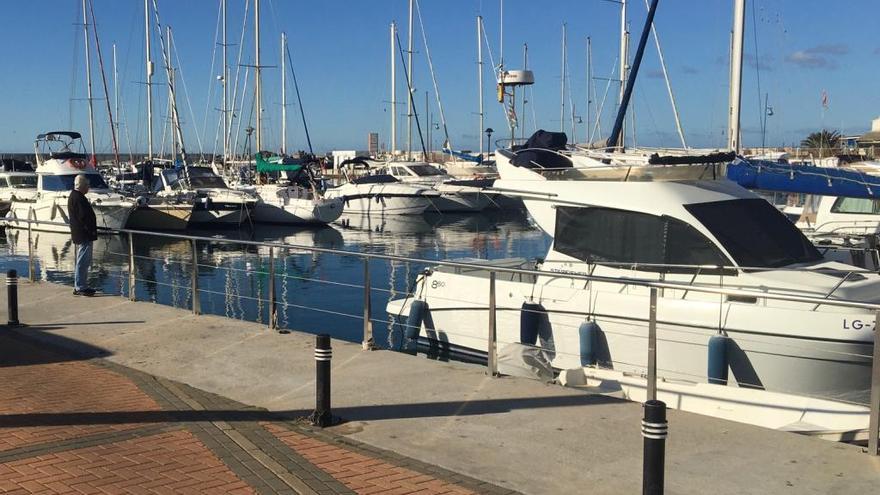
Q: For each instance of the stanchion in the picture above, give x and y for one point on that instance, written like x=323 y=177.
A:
x=196 y=305
x=492 y=356
x=12 y=296
x=654 y=430
x=368 y=343
x=273 y=315
x=323 y=354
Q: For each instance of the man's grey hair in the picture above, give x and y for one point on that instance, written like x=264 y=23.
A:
x=81 y=183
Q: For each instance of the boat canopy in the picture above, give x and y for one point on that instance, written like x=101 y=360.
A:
x=51 y=135
x=277 y=163
x=807 y=179
x=15 y=165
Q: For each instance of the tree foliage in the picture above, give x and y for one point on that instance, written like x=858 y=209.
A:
x=823 y=140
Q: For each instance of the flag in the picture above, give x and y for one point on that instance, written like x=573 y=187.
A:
x=824 y=99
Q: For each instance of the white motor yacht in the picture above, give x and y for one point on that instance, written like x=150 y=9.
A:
x=383 y=195
x=60 y=158
x=213 y=202
x=456 y=195
x=17 y=180
x=695 y=232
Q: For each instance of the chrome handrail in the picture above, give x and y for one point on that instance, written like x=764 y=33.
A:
x=633 y=281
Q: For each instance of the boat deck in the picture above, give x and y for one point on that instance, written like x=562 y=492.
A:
x=516 y=433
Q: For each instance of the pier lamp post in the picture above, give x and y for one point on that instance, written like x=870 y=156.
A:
x=489 y=132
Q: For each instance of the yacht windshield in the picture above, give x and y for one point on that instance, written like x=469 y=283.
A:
x=425 y=170
x=23 y=181
x=201 y=178
x=65 y=182
x=755 y=233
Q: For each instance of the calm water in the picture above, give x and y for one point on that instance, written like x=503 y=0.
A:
x=316 y=292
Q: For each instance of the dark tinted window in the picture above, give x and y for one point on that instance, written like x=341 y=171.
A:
x=65 y=182
x=856 y=205
x=755 y=233
x=619 y=236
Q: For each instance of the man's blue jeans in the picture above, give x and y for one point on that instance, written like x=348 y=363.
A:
x=83 y=262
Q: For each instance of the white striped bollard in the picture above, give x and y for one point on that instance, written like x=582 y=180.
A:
x=654 y=430
x=12 y=296
x=323 y=354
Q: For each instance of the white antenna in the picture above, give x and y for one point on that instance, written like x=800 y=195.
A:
x=257 y=79
x=393 y=92
x=410 y=89
x=736 y=60
x=624 y=65
x=479 y=81
x=283 y=95
x=89 y=80
x=562 y=90
x=150 y=68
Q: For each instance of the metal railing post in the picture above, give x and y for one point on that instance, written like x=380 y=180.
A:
x=272 y=311
x=12 y=298
x=31 y=275
x=652 y=346
x=492 y=341
x=196 y=304
x=874 y=421
x=131 y=277
x=368 y=343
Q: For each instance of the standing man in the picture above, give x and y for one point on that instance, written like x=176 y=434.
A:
x=83 y=230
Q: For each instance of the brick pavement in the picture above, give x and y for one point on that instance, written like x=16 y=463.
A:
x=89 y=426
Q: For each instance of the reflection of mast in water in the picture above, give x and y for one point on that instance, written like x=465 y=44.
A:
x=227 y=299
x=283 y=323
x=392 y=293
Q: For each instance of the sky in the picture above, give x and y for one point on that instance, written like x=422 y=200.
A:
x=795 y=50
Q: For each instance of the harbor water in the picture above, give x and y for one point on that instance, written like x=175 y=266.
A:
x=315 y=292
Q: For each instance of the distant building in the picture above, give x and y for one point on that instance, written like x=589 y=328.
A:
x=869 y=142
x=373 y=144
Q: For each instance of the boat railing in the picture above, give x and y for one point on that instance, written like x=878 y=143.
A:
x=655 y=287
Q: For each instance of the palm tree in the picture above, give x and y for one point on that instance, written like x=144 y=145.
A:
x=823 y=141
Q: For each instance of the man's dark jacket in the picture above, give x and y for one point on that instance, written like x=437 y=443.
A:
x=83 y=226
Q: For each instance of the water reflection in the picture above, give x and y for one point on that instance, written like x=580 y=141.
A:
x=316 y=292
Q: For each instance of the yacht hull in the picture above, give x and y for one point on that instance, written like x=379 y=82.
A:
x=220 y=214
x=54 y=209
x=298 y=211
x=160 y=217
x=793 y=350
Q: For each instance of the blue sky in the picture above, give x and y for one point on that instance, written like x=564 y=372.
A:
x=341 y=54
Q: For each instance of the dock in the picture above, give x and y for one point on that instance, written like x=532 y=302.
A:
x=449 y=421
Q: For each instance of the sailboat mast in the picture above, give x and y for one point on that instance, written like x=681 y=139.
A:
x=115 y=90
x=283 y=95
x=258 y=81
x=393 y=92
x=736 y=60
x=225 y=76
x=562 y=90
x=479 y=82
x=171 y=103
x=89 y=79
x=409 y=72
x=623 y=66
x=149 y=67
x=589 y=88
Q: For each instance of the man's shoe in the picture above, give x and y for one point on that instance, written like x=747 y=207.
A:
x=84 y=292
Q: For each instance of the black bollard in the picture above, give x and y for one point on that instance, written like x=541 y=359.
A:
x=323 y=353
x=12 y=293
x=654 y=430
